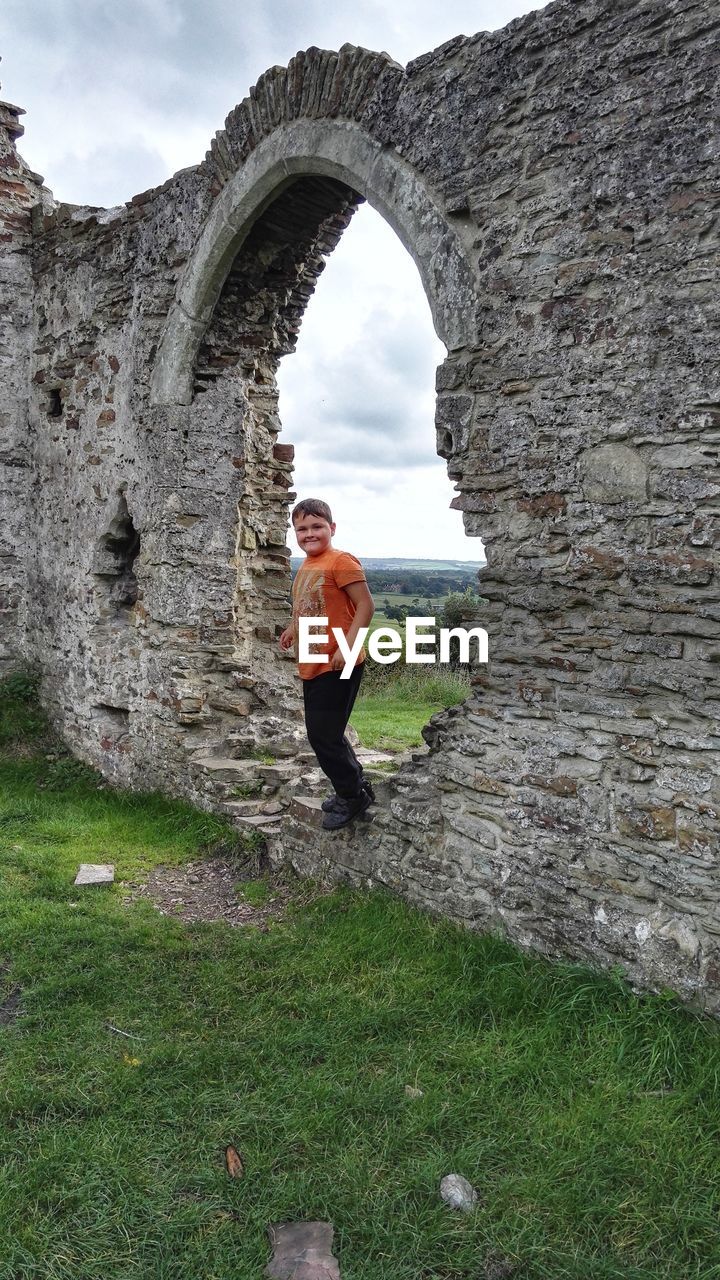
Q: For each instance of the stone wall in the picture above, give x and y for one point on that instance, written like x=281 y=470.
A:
x=565 y=228
x=20 y=191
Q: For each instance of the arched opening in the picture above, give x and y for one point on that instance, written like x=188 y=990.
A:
x=256 y=322
x=115 y=556
x=358 y=400
x=360 y=168
x=111 y=652
x=238 y=313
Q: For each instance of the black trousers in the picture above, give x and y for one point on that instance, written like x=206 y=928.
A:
x=328 y=702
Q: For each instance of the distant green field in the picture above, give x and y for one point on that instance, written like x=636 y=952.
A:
x=380 y=618
x=430 y=566
x=398 y=565
x=398 y=597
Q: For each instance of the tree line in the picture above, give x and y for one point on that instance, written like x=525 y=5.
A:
x=424 y=584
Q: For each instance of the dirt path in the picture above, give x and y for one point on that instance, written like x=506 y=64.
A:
x=212 y=889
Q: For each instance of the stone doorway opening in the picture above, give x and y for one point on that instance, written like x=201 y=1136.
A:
x=252 y=297
x=358 y=401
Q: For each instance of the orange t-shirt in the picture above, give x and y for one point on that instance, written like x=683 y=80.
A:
x=318 y=593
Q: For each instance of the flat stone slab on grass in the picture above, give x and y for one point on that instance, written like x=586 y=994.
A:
x=95 y=873
x=302 y=1251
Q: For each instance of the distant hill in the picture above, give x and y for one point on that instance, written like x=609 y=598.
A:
x=400 y=581
x=417 y=566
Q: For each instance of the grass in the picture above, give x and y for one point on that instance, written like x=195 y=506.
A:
x=255 y=753
x=395 y=702
x=587 y=1118
x=255 y=892
x=21 y=718
x=248 y=790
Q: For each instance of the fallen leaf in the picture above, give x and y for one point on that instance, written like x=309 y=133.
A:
x=130 y=1062
x=233 y=1163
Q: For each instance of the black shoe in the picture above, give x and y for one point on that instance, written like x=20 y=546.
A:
x=368 y=786
x=330 y=802
x=345 y=810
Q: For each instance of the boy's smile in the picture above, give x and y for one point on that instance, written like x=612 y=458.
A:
x=314 y=534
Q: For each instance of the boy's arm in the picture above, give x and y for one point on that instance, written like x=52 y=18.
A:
x=287 y=639
x=364 y=610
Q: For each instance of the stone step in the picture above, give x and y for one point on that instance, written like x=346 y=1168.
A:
x=274 y=736
x=270 y=726
x=262 y=805
x=199 y=746
x=261 y=821
x=382 y=786
x=308 y=810
x=239 y=748
x=207 y=761
x=225 y=768
x=279 y=773
x=243 y=808
x=230 y=792
x=314 y=783
x=309 y=784
x=368 y=756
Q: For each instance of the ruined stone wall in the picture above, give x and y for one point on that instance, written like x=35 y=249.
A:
x=20 y=191
x=161 y=568
x=556 y=183
x=101 y=477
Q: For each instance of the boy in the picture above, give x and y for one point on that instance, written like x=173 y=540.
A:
x=330 y=584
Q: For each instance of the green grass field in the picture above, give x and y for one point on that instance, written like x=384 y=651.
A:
x=381 y=619
x=395 y=702
x=586 y=1117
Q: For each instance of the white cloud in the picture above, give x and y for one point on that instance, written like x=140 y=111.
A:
x=357 y=400
x=119 y=96
x=162 y=75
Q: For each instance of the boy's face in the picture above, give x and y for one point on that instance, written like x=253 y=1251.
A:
x=314 y=534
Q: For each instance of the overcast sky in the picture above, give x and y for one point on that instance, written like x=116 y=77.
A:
x=119 y=94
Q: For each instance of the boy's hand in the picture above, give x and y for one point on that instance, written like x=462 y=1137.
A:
x=286 y=639
x=337 y=662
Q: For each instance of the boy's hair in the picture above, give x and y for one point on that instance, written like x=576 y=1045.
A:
x=312 y=507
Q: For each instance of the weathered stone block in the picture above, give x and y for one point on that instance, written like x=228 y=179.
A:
x=613 y=472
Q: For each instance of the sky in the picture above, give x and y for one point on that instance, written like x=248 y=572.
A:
x=121 y=95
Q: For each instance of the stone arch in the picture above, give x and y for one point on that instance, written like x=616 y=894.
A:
x=286 y=174
x=340 y=149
